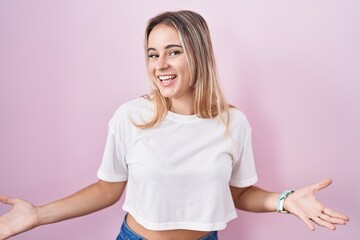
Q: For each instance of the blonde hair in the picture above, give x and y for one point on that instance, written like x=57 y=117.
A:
x=194 y=36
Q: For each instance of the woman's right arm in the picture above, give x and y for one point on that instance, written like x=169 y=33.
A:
x=24 y=216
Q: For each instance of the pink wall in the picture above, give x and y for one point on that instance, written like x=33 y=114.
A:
x=292 y=66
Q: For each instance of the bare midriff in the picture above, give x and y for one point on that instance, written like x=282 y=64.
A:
x=177 y=234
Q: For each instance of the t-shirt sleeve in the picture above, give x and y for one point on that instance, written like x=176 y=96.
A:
x=113 y=167
x=244 y=171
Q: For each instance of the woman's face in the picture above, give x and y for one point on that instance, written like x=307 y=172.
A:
x=167 y=64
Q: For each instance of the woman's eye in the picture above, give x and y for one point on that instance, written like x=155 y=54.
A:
x=153 y=55
x=174 y=53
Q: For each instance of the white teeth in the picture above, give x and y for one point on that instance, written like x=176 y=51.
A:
x=166 y=77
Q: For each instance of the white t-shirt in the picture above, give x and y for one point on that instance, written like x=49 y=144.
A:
x=178 y=173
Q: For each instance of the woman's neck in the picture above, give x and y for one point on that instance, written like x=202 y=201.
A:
x=182 y=106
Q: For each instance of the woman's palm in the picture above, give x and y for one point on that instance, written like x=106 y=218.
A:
x=22 y=217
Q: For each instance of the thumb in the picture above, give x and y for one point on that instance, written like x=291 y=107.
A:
x=323 y=184
x=7 y=200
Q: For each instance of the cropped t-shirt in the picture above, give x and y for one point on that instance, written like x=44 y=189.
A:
x=179 y=172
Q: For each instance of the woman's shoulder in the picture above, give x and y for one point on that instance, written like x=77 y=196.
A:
x=134 y=108
x=140 y=103
x=238 y=120
x=236 y=114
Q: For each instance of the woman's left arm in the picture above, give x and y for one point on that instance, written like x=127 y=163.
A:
x=302 y=203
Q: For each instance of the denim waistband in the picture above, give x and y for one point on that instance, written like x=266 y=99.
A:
x=126 y=233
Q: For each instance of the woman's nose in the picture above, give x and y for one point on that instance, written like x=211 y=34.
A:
x=162 y=63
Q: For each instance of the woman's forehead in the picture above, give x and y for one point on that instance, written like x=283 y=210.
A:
x=162 y=35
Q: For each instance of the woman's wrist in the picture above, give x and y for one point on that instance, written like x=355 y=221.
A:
x=281 y=200
x=44 y=216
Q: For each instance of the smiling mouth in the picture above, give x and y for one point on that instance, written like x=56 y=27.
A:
x=166 y=80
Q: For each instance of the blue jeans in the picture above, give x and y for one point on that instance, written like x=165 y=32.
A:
x=127 y=234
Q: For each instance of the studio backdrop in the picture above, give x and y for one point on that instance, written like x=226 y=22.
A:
x=293 y=67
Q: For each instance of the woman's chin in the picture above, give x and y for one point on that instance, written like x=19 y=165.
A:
x=166 y=94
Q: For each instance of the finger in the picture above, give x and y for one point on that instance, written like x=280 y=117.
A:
x=323 y=223
x=6 y=200
x=334 y=214
x=306 y=220
x=332 y=220
x=323 y=184
x=309 y=223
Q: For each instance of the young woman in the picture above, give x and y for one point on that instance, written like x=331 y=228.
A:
x=184 y=153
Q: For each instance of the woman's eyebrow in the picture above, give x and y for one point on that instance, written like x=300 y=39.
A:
x=173 y=45
x=166 y=47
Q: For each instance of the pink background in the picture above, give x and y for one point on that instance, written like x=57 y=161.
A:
x=293 y=67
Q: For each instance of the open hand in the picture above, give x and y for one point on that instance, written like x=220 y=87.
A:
x=303 y=204
x=22 y=217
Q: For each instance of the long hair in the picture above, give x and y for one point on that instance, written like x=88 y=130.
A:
x=194 y=36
